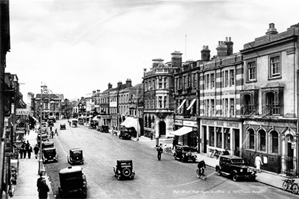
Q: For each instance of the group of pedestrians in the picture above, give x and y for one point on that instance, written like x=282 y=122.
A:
x=25 y=149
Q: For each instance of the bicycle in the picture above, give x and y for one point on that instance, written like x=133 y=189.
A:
x=290 y=185
x=202 y=176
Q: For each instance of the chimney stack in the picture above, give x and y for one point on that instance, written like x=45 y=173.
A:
x=98 y=91
x=119 y=84
x=157 y=62
x=94 y=92
x=229 y=45
x=272 y=30
x=128 y=83
x=176 y=59
x=205 y=54
x=221 y=49
x=109 y=85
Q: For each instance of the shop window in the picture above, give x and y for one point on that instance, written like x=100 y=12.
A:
x=251 y=138
x=211 y=136
x=274 y=142
x=262 y=140
x=226 y=138
x=219 y=137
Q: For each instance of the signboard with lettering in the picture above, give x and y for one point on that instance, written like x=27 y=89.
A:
x=22 y=111
x=178 y=122
x=190 y=123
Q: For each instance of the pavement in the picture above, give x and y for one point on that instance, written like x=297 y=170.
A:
x=28 y=170
x=28 y=174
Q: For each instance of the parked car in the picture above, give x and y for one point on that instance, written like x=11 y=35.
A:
x=235 y=167
x=125 y=133
x=124 y=169
x=62 y=126
x=47 y=144
x=74 y=123
x=49 y=155
x=76 y=156
x=41 y=137
x=185 y=153
x=73 y=182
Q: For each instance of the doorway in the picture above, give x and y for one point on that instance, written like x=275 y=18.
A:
x=162 y=128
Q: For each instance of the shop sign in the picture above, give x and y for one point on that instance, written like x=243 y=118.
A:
x=190 y=123
x=233 y=124
x=178 y=122
x=208 y=122
x=22 y=111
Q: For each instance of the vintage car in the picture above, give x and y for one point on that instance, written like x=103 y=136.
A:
x=93 y=124
x=185 y=153
x=125 y=133
x=81 y=121
x=124 y=169
x=73 y=182
x=235 y=167
x=74 y=123
x=62 y=126
x=47 y=144
x=49 y=155
x=76 y=156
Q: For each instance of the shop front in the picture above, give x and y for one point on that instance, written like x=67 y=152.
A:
x=186 y=132
x=221 y=135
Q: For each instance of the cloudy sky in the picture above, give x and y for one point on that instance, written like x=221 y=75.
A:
x=77 y=46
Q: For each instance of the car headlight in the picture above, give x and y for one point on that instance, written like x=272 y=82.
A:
x=241 y=170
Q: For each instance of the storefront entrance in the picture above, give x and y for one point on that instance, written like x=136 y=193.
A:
x=162 y=128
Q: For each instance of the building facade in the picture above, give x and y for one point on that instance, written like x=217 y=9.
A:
x=270 y=100
x=158 y=100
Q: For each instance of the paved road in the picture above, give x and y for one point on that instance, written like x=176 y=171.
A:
x=154 y=179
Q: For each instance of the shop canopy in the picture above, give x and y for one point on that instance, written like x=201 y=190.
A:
x=132 y=122
x=182 y=131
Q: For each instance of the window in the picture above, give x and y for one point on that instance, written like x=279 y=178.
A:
x=212 y=107
x=231 y=107
x=185 y=82
x=219 y=137
x=251 y=71
x=207 y=81
x=165 y=82
x=262 y=140
x=226 y=78
x=211 y=136
x=189 y=81
x=251 y=138
x=160 y=82
x=232 y=77
x=165 y=101
x=275 y=66
x=212 y=80
x=226 y=138
x=274 y=142
x=226 y=107
x=195 y=80
x=160 y=101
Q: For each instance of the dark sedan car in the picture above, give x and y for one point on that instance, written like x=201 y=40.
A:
x=76 y=156
x=185 y=153
x=235 y=167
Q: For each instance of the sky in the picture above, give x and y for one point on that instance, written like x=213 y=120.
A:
x=78 y=46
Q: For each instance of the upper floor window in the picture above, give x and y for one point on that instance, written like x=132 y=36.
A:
x=232 y=78
x=251 y=71
x=160 y=82
x=231 y=107
x=207 y=81
x=165 y=82
x=272 y=101
x=226 y=78
x=275 y=66
x=212 y=80
x=195 y=80
x=251 y=139
x=160 y=101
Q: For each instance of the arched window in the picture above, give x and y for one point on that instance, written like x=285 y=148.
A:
x=251 y=138
x=262 y=140
x=274 y=142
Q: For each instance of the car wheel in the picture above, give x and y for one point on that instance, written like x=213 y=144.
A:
x=295 y=188
x=234 y=177
x=126 y=172
x=285 y=186
x=182 y=158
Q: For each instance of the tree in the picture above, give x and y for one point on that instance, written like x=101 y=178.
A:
x=66 y=108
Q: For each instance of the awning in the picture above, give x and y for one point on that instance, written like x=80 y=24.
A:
x=181 y=104
x=132 y=122
x=190 y=106
x=182 y=131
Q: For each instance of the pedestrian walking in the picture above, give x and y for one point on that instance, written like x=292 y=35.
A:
x=258 y=163
x=56 y=132
x=159 y=151
x=23 y=151
x=29 y=151
x=175 y=142
x=51 y=134
x=36 y=150
x=43 y=189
